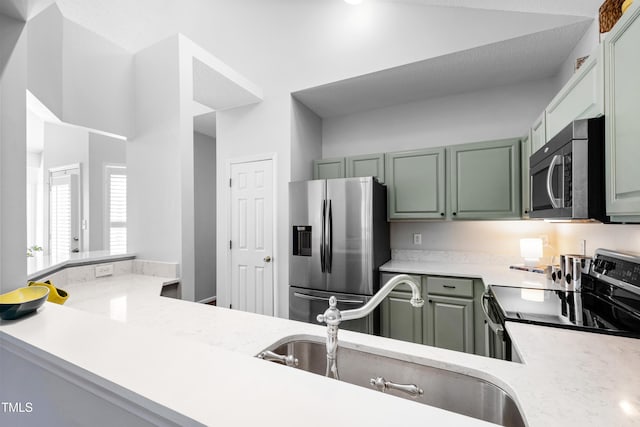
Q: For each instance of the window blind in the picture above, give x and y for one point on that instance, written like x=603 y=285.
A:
x=117 y=209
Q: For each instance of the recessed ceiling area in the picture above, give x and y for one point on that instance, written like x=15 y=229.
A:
x=217 y=86
x=527 y=58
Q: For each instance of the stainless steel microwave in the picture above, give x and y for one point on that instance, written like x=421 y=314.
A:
x=567 y=174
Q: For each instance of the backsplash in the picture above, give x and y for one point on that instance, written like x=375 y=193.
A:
x=499 y=241
x=86 y=273
x=618 y=237
x=155 y=268
x=453 y=257
x=472 y=239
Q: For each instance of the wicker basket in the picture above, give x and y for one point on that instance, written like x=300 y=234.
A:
x=610 y=12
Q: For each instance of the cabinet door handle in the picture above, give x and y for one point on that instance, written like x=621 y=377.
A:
x=448 y=286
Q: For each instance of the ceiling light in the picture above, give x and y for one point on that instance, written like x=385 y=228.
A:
x=353 y=1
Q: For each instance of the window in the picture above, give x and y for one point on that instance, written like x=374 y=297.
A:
x=116 y=207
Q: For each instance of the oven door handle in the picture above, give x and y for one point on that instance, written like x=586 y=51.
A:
x=555 y=161
x=495 y=327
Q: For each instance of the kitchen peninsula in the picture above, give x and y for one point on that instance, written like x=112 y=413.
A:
x=176 y=362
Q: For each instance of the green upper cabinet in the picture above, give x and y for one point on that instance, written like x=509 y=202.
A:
x=367 y=165
x=415 y=184
x=622 y=111
x=582 y=96
x=484 y=180
x=538 y=133
x=525 y=153
x=329 y=168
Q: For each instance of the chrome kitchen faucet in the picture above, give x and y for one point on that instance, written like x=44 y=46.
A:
x=333 y=317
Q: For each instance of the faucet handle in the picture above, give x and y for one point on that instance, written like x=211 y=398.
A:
x=331 y=316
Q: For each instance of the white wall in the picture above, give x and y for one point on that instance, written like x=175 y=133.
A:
x=97 y=81
x=204 y=154
x=10 y=31
x=306 y=140
x=80 y=76
x=502 y=112
x=153 y=174
x=103 y=150
x=13 y=152
x=625 y=238
x=45 y=59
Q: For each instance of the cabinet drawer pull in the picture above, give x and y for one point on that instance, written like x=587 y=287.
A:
x=448 y=286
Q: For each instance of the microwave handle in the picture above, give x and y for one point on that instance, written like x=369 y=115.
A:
x=555 y=202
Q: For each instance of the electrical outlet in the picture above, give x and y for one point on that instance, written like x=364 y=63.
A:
x=104 y=270
x=417 y=239
x=545 y=240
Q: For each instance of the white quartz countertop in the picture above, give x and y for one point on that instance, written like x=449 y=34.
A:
x=199 y=361
x=490 y=274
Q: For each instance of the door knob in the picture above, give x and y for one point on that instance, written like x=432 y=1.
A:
x=267 y=259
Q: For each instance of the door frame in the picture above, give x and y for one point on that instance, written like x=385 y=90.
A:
x=227 y=253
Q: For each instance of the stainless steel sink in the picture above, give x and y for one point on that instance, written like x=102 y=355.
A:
x=444 y=389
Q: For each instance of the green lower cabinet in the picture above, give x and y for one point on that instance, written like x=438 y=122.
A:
x=449 y=323
x=451 y=317
x=399 y=319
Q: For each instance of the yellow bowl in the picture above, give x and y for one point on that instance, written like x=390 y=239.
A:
x=22 y=301
x=56 y=295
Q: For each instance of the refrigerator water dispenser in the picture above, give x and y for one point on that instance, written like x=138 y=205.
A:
x=302 y=240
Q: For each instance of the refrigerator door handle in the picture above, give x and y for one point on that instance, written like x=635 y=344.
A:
x=322 y=243
x=330 y=243
x=313 y=298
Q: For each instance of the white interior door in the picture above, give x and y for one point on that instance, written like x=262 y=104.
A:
x=252 y=237
x=64 y=213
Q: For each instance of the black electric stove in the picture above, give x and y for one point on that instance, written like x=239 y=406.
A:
x=608 y=303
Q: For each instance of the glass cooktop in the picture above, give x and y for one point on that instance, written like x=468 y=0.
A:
x=600 y=308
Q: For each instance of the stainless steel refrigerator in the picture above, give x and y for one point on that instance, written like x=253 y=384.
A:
x=339 y=238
